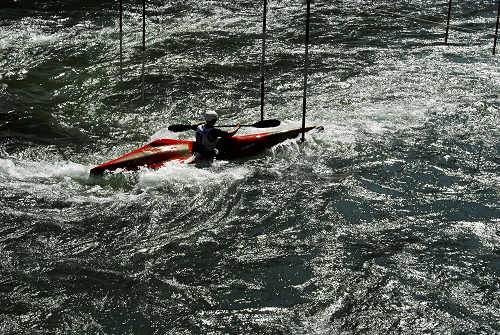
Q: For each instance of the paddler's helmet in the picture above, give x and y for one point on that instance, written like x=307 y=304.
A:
x=211 y=116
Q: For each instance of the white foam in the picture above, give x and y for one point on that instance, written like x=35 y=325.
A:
x=188 y=174
x=24 y=169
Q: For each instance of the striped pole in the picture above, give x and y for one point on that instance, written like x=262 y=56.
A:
x=262 y=61
x=496 y=31
x=448 y=23
x=306 y=65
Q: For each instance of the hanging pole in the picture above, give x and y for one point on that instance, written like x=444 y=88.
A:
x=263 y=61
x=306 y=65
x=142 y=73
x=496 y=31
x=121 y=40
x=143 y=25
x=143 y=44
x=448 y=23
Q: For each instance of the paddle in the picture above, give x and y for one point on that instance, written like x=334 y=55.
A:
x=259 y=124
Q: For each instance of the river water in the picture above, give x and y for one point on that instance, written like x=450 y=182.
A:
x=387 y=221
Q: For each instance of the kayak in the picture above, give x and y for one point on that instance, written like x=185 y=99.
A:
x=160 y=152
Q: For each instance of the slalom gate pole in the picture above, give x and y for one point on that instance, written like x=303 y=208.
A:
x=306 y=65
x=142 y=73
x=262 y=61
x=143 y=43
x=121 y=40
x=143 y=25
x=448 y=23
x=496 y=30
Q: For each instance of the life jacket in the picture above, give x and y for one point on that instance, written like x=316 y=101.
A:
x=206 y=141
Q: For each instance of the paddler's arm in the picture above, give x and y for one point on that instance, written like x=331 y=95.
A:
x=194 y=126
x=235 y=130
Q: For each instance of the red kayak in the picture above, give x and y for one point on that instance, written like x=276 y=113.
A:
x=162 y=151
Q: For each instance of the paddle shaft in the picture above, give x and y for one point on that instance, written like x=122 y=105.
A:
x=259 y=124
x=234 y=125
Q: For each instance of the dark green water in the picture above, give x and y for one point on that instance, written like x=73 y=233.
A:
x=386 y=222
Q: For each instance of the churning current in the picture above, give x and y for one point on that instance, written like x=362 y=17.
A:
x=386 y=222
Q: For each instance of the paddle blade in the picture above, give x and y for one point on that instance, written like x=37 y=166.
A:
x=266 y=123
x=179 y=127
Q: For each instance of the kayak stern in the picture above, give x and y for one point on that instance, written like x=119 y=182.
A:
x=152 y=155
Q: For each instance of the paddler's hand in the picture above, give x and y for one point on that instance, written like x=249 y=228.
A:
x=232 y=132
x=238 y=126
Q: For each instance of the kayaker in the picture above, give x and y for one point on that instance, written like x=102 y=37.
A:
x=207 y=136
